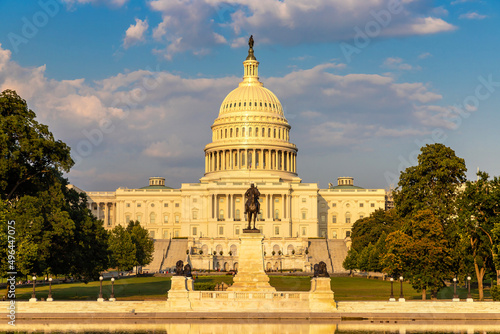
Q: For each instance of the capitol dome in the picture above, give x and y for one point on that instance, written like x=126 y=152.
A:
x=251 y=133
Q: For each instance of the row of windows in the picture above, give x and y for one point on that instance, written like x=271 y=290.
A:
x=257 y=132
x=333 y=205
x=255 y=104
x=152 y=218
x=165 y=205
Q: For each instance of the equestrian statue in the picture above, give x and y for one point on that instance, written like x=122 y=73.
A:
x=252 y=206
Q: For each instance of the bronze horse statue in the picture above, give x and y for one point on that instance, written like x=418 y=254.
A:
x=252 y=206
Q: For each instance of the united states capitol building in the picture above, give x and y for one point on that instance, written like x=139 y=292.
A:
x=201 y=222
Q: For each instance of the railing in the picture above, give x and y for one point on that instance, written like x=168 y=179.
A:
x=230 y=295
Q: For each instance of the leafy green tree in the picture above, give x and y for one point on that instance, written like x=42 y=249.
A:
x=143 y=243
x=433 y=183
x=351 y=261
x=479 y=222
x=121 y=249
x=28 y=149
x=421 y=252
x=369 y=229
x=364 y=257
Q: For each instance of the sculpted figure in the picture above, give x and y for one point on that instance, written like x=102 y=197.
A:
x=252 y=205
x=178 y=268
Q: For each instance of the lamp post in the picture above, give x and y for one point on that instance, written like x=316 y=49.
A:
x=100 y=299
x=33 y=295
x=401 y=296
x=469 y=296
x=49 y=297
x=392 y=299
x=112 y=297
x=455 y=295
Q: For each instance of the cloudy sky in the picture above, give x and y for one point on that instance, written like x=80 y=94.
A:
x=133 y=86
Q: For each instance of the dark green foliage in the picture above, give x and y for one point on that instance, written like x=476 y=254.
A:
x=122 y=250
x=144 y=245
x=369 y=229
x=495 y=293
x=30 y=155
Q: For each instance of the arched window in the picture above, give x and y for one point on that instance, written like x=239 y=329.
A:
x=269 y=132
x=225 y=134
x=243 y=132
x=237 y=132
x=274 y=133
x=263 y=132
x=250 y=132
x=231 y=133
x=152 y=218
x=256 y=132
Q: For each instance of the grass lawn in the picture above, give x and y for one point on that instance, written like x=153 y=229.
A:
x=156 y=288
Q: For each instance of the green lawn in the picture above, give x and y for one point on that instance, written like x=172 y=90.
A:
x=151 y=288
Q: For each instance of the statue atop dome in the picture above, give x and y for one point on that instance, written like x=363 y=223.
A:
x=250 y=49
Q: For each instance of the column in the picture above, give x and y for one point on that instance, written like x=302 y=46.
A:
x=261 y=159
x=231 y=162
x=228 y=197
x=268 y=204
x=254 y=159
x=283 y=206
x=223 y=160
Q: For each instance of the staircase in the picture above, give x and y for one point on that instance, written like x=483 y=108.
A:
x=318 y=252
x=161 y=246
x=338 y=252
x=176 y=251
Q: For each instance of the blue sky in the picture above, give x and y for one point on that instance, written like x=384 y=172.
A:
x=133 y=86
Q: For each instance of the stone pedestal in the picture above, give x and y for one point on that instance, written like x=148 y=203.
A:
x=178 y=295
x=321 y=297
x=251 y=275
x=33 y=300
x=50 y=299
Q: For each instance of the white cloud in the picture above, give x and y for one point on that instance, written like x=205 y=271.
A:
x=425 y=55
x=188 y=26
x=472 y=16
x=135 y=33
x=157 y=122
x=397 y=63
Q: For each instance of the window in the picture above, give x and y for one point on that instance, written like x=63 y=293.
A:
x=303 y=215
x=152 y=205
x=195 y=214
x=348 y=218
x=127 y=218
x=334 y=219
x=372 y=205
x=152 y=218
x=221 y=230
x=176 y=233
x=165 y=205
x=195 y=231
x=221 y=200
x=139 y=218
x=260 y=214
x=176 y=205
x=138 y=205
x=165 y=234
x=361 y=216
x=323 y=218
x=237 y=230
x=347 y=205
x=304 y=230
x=221 y=214
x=276 y=200
x=334 y=234
x=334 y=205
x=237 y=200
x=237 y=214
x=276 y=230
x=152 y=234
x=165 y=219
x=348 y=234
x=276 y=214
x=128 y=205
x=177 y=219
x=303 y=200
x=195 y=200
x=323 y=205
x=361 y=205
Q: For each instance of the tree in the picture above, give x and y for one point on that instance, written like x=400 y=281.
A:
x=351 y=261
x=420 y=252
x=369 y=229
x=479 y=223
x=121 y=249
x=144 y=245
x=433 y=183
x=28 y=149
x=55 y=232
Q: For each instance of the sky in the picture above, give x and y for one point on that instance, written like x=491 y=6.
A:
x=133 y=86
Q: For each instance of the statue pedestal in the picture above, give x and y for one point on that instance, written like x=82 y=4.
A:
x=251 y=275
x=178 y=295
x=321 y=297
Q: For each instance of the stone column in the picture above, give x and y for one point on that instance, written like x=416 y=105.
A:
x=283 y=206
